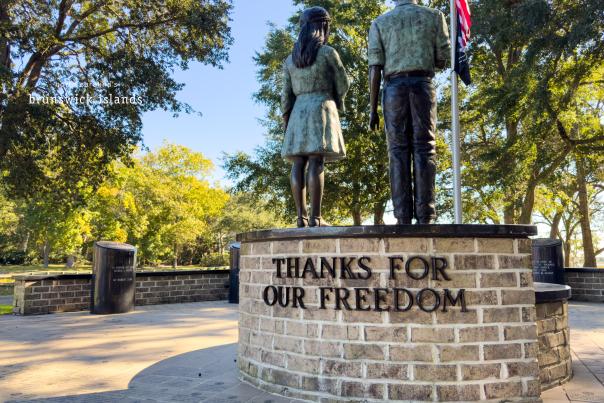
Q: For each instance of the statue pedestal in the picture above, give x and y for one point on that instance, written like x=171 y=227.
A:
x=385 y=313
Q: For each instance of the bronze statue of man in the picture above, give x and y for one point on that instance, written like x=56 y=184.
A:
x=408 y=44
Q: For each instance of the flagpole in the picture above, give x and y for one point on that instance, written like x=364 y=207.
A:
x=455 y=121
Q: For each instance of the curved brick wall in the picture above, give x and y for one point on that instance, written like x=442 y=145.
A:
x=42 y=294
x=554 y=344
x=587 y=284
x=485 y=354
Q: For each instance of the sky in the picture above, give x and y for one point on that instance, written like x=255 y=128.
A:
x=229 y=121
x=230 y=117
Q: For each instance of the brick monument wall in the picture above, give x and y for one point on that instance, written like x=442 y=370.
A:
x=35 y=295
x=488 y=353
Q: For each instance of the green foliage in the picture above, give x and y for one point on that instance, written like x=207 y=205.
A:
x=100 y=49
x=9 y=220
x=215 y=259
x=535 y=66
x=243 y=214
x=161 y=204
x=55 y=232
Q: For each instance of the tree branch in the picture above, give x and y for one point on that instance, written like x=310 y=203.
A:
x=64 y=8
x=77 y=20
x=147 y=24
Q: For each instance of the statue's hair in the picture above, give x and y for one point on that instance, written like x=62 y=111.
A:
x=314 y=31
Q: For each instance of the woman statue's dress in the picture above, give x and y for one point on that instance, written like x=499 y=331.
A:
x=314 y=95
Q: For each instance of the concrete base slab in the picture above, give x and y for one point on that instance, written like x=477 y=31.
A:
x=587 y=348
x=187 y=353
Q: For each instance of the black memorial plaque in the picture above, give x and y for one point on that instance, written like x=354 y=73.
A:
x=548 y=262
x=235 y=250
x=113 y=278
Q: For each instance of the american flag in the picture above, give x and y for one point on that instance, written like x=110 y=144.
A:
x=464 y=23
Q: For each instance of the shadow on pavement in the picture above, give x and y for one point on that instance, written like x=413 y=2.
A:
x=207 y=375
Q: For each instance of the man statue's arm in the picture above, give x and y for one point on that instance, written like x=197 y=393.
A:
x=375 y=82
x=443 y=44
x=377 y=60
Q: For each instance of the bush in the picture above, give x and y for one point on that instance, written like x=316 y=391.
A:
x=214 y=260
x=14 y=258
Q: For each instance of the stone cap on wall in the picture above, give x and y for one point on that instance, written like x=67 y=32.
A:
x=88 y=276
x=379 y=231
x=115 y=246
x=584 y=270
x=548 y=292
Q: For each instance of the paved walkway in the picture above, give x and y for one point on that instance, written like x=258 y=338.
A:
x=186 y=353
x=587 y=346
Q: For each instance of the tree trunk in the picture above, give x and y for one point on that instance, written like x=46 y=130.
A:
x=568 y=236
x=46 y=254
x=175 y=261
x=526 y=215
x=378 y=213
x=566 y=246
x=25 y=243
x=589 y=255
x=356 y=216
x=508 y=213
x=554 y=230
x=5 y=60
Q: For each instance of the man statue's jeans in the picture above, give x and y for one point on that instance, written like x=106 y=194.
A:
x=409 y=105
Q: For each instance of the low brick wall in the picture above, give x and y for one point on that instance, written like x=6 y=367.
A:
x=553 y=335
x=35 y=295
x=380 y=348
x=587 y=284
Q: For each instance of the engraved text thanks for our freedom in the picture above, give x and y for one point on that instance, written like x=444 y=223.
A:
x=380 y=299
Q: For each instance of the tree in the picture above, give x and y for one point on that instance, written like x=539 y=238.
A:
x=356 y=187
x=530 y=60
x=242 y=214
x=120 y=54
x=56 y=233
x=9 y=222
x=161 y=204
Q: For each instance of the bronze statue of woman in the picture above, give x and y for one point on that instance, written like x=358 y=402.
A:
x=314 y=86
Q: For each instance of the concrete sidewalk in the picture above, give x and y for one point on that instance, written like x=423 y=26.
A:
x=186 y=353
x=78 y=354
x=587 y=347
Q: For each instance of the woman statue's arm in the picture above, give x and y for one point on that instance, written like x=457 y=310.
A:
x=342 y=83
x=288 y=98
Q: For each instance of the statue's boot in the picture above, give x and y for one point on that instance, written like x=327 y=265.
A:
x=302 y=222
x=316 y=183
x=424 y=167
x=318 y=222
x=298 y=186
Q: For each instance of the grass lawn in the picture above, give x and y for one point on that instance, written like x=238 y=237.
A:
x=6 y=309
